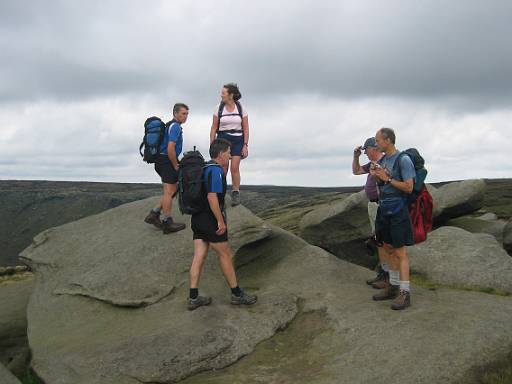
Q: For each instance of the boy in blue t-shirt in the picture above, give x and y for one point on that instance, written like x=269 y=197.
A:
x=210 y=229
x=167 y=165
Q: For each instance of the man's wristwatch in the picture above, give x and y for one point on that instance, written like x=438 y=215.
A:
x=389 y=180
x=247 y=145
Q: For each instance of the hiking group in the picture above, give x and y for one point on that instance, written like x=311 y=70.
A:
x=399 y=207
x=201 y=186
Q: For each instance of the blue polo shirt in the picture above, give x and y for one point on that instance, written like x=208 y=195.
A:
x=387 y=191
x=215 y=181
x=173 y=133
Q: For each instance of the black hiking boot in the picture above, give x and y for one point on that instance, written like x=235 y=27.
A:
x=235 y=198
x=243 y=299
x=154 y=219
x=169 y=226
x=199 y=301
x=389 y=293
x=382 y=275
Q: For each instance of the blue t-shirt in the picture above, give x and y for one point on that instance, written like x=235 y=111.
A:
x=215 y=181
x=173 y=133
x=407 y=172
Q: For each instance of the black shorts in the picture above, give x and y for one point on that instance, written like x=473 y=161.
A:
x=237 y=142
x=165 y=170
x=204 y=226
x=395 y=230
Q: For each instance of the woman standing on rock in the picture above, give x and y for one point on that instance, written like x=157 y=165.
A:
x=230 y=122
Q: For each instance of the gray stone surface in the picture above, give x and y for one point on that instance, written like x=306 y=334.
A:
x=14 y=296
x=341 y=228
x=6 y=377
x=79 y=339
x=457 y=199
x=493 y=227
x=454 y=256
x=112 y=258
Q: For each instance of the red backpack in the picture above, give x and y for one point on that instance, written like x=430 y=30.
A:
x=421 y=215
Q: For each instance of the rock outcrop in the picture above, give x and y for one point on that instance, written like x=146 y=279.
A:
x=454 y=256
x=341 y=228
x=489 y=225
x=7 y=377
x=100 y=334
x=14 y=352
x=507 y=237
x=457 y=199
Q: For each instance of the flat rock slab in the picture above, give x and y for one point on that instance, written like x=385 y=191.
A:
x=338 y=328
x=454 y=256
x=116 y=258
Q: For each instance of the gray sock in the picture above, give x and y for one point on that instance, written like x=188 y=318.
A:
x=155 y=210
x=164 y=217
x=394 y=277
x=405 y=286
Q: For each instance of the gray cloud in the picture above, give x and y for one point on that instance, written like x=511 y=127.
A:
x=78 y=79
x=70 y=50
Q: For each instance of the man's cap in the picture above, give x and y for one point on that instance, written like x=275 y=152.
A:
x=370 y=142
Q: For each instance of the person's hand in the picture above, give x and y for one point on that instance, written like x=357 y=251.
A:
x=245 y=151
x=381 y=173
x=221 y=228
x=176 y=168
x=358 y=151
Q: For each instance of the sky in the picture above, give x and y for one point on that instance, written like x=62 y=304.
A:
x=79 y=78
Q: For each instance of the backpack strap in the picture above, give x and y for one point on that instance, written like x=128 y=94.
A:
x=239 y=113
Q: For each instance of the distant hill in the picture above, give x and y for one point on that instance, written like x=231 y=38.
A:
x=29 y=207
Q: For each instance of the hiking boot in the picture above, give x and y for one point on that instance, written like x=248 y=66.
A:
x=244 y=299
x=154 y=219
x=199 y=301
x=402 y=301
x=169 y=226
x=235 y=198
x=381 y=276
x=388 y=293
x=381 y=284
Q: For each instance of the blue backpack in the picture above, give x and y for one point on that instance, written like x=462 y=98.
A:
x=154 y=132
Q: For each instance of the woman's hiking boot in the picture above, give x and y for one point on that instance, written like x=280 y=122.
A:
x=199 y=301
x=402 y=301
x=154 y=219
x=388 y=293
x=243 y=299
x=169 y=226
x=235 y=198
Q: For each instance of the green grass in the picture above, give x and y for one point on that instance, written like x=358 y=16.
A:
x=499 y=372
x=424 y=282
x=29 y=378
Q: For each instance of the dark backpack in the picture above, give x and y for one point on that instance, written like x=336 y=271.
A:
x=419 y=166
x=239 y=113
x=191 y=193
x=154 y=133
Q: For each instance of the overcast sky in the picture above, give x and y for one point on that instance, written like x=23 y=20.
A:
x=78 y=79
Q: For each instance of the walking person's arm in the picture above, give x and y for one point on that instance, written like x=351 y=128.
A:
x=245 y=128
x=171 y=152
x=213 y=201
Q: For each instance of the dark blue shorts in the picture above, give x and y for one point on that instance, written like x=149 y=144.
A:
x=237 y=142
x=395 y=230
